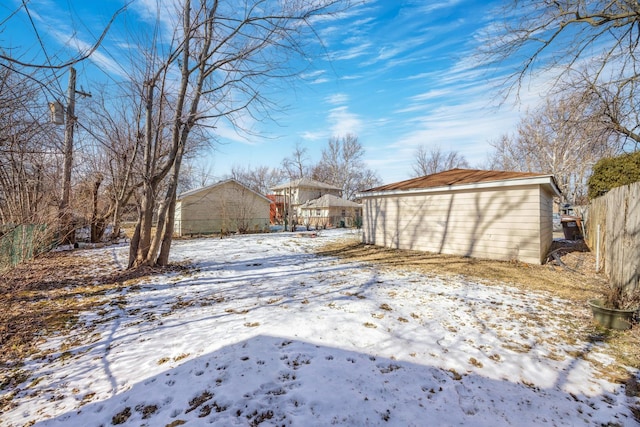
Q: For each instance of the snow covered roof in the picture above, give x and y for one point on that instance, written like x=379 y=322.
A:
x=471 y=178
x=305 y=182
x=330 y=201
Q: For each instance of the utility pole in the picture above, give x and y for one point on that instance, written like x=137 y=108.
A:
x=291 y=228
x=285 y=214
x=67 y=229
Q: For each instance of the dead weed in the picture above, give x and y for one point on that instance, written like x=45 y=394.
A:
x=47 y=294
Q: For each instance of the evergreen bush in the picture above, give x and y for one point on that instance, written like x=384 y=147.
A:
x=614 y=172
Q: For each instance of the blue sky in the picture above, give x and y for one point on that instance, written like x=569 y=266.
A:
x=399 y=74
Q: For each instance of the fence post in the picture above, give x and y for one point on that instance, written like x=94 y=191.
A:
x=598 y=249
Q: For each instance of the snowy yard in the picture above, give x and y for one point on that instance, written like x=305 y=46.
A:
x=264 y=332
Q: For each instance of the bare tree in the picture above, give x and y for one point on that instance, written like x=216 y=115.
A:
x=506 y=155
x=368 y=179
x=42 y=74
x=29 y=169
x=115 y=128
x=588 y=44
x=28 y=162
x=195 y=175
x=558 y=139
x=244 y=210
x=222 y=53
x=609 y=109
x=260 y=179
x=435 y=160
x=342 y=165
x=296 y=166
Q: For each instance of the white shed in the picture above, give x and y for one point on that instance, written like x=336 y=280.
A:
x=475 y=213
x=227 y=206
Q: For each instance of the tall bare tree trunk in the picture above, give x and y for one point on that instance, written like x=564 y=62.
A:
x=169 y=223
x=141 y=240
x=96 y=228
x=133 y=248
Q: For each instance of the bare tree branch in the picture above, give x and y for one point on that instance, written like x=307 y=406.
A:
x=578 y=40
x=435 y=160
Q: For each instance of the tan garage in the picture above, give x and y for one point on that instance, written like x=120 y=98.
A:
x=475 y=213
x=225 y=207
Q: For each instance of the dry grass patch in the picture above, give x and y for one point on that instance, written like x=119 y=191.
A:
x=47 y=295
x=576 y=282
x=571 y=277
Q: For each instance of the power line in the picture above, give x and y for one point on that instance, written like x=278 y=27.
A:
x=44 y=50
x=43 y=86
x=4 y=21
x=71 y=62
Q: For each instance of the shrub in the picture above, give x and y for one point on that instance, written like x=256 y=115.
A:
x=614 y=172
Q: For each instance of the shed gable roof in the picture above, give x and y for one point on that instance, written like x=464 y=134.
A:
x=218 y=184
x=453 y=177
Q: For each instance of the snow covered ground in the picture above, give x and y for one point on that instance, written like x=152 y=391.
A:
x=264 y=332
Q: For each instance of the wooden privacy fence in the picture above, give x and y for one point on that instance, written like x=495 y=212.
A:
x=617 y=216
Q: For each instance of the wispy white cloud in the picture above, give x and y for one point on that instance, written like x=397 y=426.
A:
x=54 y=26
x=351 y=77
x=342 y=121
x=352 y=52
x=387 y=52
x=315 y=77
x=104 y=62
x=227 y=131
x=411 y=109
x=312 y=74
x=327 y=32
x=420 y=76
x=335 y=33
x=337 y=98
x=433 y=6
x=360 y=9
x=161 y=13
x=313 y=136
x=432 y=94
x=408 y=47
x=364 y=21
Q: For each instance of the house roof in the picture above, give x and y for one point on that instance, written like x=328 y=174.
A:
x=330 y=201
x=463 y=177
x=305 y=182
x=217 y=184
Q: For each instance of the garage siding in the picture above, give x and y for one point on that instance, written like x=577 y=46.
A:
x=177 y=224
x=501 y=223
x=546 y=222
x=226 y=207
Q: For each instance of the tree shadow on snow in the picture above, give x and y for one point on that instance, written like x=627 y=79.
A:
x=280 y=381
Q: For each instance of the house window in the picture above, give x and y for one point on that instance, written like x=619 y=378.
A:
x=318 y=212
x=344 y=212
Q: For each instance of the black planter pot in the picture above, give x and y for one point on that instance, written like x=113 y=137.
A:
x=610 y=317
